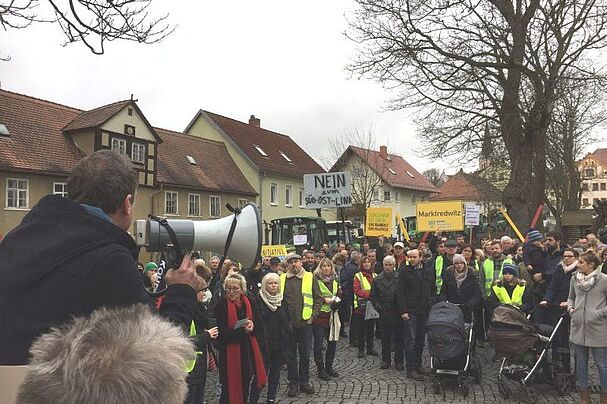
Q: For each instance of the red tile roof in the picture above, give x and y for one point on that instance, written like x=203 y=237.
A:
x=467 y=187
x=96 y=117
x=214 y=170
x=599 y=155
x=394 y=169
x=247 y=136
x=36 y=142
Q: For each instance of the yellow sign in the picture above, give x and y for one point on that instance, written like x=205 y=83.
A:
x=403 y=228
x=516 y=230
x=273 y=250
x=379 y=222
x=440 y=216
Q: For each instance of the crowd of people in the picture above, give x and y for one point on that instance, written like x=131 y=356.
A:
x=252 y=324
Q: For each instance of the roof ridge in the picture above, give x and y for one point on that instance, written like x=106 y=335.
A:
x=244 y=123
x=40 y=100
x=106 y=105
x=173 y=132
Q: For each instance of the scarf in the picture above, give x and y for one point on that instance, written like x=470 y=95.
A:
x=585 y=282
x=299 y=275
x=460 y=278
x=569 y=268
x=272 y=301
x=233 y=357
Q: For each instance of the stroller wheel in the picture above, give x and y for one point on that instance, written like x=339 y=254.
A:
x=478 y=371
x=503 y=389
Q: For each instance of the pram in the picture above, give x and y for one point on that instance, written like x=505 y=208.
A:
x=452 y=347
x=523 y=346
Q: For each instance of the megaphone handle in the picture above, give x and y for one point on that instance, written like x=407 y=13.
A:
x=226 y=246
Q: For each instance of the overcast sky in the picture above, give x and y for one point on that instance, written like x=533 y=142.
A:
x=282 y=61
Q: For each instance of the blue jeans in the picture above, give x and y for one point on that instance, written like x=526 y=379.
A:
x=301 y=342
x=581 y=365
x=415 y=338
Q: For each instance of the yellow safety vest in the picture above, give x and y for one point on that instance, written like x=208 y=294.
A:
x=364 y=284
x=189 y=365
x=325 y=292
x=306 y=292
x=504 y=297
x=488 y=271
x=438 y=268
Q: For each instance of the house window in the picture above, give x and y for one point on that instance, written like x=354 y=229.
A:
x=284 y=156
x=585 y=202
x=130 y=111
x=273 y=194
x=119 y=145
x=17 y=193
x=301 y=198
x=242 y=203
x=214 y=206
x=375 y=195
x=603 y=186
x=585 y=186
x=194 y=205
x=396 y=195
x=594 y=200
x=138 y=153
x=170 y=202
x=288 y=195
x=595 y=186
x=589 y=172
x=60 y=188
x=260 y=150
x=387 y=196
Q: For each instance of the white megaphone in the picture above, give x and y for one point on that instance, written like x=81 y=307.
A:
x=207 y=235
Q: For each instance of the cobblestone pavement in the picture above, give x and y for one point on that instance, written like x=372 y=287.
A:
x=362 y=381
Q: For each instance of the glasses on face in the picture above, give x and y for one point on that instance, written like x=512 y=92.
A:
x=568 y=256
x=232 y=288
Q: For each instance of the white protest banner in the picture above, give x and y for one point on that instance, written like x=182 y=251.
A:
x=328 y=190
x=472 y=214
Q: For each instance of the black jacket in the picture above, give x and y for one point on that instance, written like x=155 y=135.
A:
x=276 y=331
x=558 y=289
x=467 y=294
x=416 y=289
x=383 y=297
x=63 y=261
x=198 y=375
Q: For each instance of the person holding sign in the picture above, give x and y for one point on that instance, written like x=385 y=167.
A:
x=239 y=351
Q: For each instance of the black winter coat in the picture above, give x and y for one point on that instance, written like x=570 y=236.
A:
x=416 y=289
x=467 y=294
x=64 y=261
x=384 y=298
x=276 y=331
x=198 y=375
x=558 y=289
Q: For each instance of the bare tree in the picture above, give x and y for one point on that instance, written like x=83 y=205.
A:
x=468 y=64
x=357 y=152
x=435 y=176
x=579 y=109
x=92 y=22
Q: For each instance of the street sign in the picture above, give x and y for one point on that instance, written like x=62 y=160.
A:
x=472 y=215
x=379 y=222
x=440 y=216
x=328 y=190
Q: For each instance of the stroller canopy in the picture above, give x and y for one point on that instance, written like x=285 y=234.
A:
x=447 y=314
x=511 y=332
x=446 y=332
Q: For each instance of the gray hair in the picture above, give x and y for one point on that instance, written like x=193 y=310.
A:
x=126 y=355
x=236 y=278
x=389 y=258
x=505 y=239
x=103 y=179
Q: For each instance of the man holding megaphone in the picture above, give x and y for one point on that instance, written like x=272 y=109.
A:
x=70 y=256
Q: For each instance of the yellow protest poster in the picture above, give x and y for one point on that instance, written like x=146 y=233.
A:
x=273 y=250
x=440 y=216
x=379 y=222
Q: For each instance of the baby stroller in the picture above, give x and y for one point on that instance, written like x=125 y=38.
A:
x=452 y=346
x=523 y=346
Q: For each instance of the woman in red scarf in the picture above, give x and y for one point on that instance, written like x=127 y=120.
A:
x=240 y=356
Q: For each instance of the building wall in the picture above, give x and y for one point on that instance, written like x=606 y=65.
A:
x=594 y=181
x=117 y=122
x=85 y=140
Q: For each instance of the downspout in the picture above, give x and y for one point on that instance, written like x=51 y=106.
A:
x=265 y=229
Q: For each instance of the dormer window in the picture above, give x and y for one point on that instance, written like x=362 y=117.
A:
x=119 y=145
x=4 y=130
x=392 y=171
x=191 y=160
x=409 y=174
x=284 y=156
x=138 y=153
x=260 y=150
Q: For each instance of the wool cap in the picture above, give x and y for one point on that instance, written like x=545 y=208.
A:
x=534 y=235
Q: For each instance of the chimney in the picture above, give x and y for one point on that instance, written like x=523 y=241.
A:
x=383 y=152
x=255 y=121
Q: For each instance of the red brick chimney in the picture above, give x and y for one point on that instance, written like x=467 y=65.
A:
x=255 y=121
x=383 y=152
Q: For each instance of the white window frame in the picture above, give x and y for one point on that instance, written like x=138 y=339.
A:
x=218 y=199
x=301 y=197
x=143 y=155
x=27 y=194
x=62 y=193
x=166 y=211
x=242 y=202
x=274 y=195
x=120 y=145
x=289 y=196
x=196 y=197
